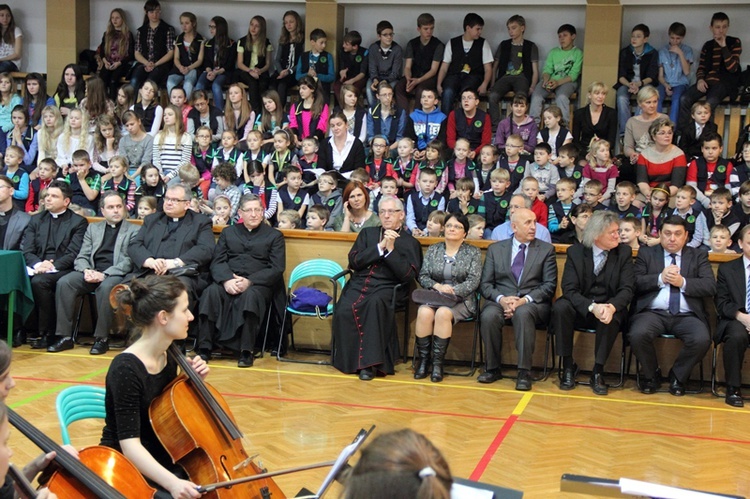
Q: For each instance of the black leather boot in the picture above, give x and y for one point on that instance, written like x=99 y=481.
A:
x=423 y=347
x=439 y=347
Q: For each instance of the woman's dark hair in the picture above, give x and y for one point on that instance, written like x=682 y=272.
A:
x=9 y=35
x=318 y=98
x=148 y=296
x=402 y=464
x=149 y=6
x=80 y=88
x=96 y=97
x=352 y=186
x=39 y=100
x=221 y=37
x=460 y=218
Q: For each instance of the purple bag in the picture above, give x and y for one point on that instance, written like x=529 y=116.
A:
x=306 y=299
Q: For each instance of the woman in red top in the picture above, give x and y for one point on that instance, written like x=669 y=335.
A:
x=662 y=161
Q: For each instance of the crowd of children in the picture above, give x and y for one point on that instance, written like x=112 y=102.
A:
x=442 y=157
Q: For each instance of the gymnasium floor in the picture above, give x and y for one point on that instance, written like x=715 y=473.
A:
x=294 y=414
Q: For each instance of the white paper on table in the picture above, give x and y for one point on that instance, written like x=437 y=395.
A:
x=460 y=491
x=639 y=488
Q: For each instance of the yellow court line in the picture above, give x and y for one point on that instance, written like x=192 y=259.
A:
x=522 y=404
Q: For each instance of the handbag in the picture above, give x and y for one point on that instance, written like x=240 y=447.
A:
x=306 y=299
x=185 y=271
x=435 y=298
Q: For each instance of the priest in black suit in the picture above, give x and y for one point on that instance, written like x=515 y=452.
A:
x=247 y=267
x=597 y=287
x=50 y=246
x=671 y=282
x=177 y=241
x=733 y=311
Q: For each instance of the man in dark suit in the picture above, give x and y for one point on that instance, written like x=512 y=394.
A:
x=597 y=286
x=13 y=222
x=50 y=245
x=249 y=263
x=176 y=241
x=733 y=311
x=101 y=264
x=519 y=278
x=671 y=282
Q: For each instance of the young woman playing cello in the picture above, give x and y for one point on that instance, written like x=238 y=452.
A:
x=139 y=374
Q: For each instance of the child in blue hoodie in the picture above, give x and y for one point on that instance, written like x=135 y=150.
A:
x=638 y=66
x=426 y=124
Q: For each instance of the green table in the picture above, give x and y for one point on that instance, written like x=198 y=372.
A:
x=16 y=284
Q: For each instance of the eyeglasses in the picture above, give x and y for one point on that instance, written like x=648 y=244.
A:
x=175 y=200
x=389 y=212
x=454 y=226
x=252 y=210
x=211 y=26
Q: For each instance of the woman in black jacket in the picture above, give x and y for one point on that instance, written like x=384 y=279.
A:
x=342 y=151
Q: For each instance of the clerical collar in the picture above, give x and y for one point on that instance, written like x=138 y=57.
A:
x=174 y=219
x=55 y=215
x=7 y=213
x=114 y=226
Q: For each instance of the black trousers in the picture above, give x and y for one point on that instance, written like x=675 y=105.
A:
x=565 y=319
x=43 y=318
x=646 y=326
x=736 y=341
x=524 y=321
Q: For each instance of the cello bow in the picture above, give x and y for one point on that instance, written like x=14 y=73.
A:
x=26 y=490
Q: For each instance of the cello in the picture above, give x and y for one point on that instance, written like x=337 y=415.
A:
x=99 y=472
x=194 y=424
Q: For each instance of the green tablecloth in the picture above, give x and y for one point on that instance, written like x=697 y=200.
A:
x=15 y=281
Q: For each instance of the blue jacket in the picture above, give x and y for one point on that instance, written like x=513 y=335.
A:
x=424 y=127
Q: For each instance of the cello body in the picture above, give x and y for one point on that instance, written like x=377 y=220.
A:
x=111 y=466
x=196 y=440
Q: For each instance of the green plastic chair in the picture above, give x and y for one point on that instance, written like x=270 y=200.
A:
x=76 y=403
x=318 y=267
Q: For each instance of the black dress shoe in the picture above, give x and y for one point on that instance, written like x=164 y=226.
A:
x=734 y=397
x=246 y=359
x=598 y=385
x=523 y=381
x=62 y=344
x=101 y=346
x=490 y=376
x=676 y=387
x=42 y=342
x=366 y=374
x=205 y=354
x=568 y=381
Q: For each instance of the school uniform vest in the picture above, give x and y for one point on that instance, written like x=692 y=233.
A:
x=298 y=110
x=496 y=208
x=377 y=122
x=505 y=48
x=719 y=176
x=646 y=214
x=560 y=214
x=406 y=171
x=122 y=188
x=306 y=166
x=280 y=162
x=213 y=59
x=473 y=131
x=160 y=48
x=450 y=165
x=190 y=54
x=484 y=183
x=423 y=54
x=576 y=175
x=290 y=54
x=742 y=170
x=377 y=173
x=247 y=55
x=689 y=221
x=359 y=113
x=454 y=206
x=422 y=212
x=472 y=58
x=598 y=290
x=233 y=157
x=516 y=173
x=321 y=65
x=559 y=140
x=329 y=203
x=289 y=202
x=202 y=161
x=147 y=115
x=631 y=212
x=158 y=192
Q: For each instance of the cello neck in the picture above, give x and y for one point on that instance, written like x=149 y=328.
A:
x=69 y=463
x=200 y=387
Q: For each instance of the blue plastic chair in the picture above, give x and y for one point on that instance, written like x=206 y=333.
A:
x=76 y=403
x=318 y=267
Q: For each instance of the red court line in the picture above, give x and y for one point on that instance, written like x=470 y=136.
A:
x=496 y=443
x=637 y=432
x=492 y=449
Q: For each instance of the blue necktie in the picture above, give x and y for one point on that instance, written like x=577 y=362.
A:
x=747 y=294
x=674 y=292
x=517 y=266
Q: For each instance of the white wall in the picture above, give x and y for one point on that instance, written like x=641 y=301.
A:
x=31 y=17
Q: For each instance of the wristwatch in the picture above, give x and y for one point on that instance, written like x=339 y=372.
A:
x=591 y=307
